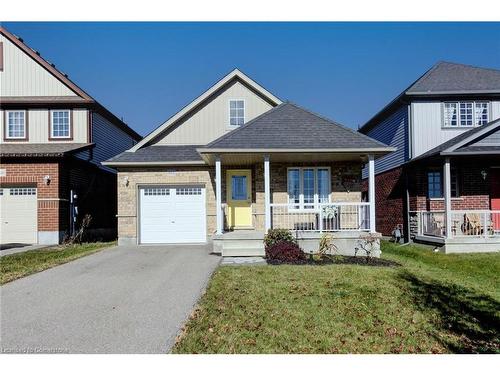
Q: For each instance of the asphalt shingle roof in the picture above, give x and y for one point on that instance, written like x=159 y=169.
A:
x=289 y=126
x=451 y=77
x=40 y=149
x=160 y=154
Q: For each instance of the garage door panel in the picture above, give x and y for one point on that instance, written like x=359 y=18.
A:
x=18 y=215
x=172 y=215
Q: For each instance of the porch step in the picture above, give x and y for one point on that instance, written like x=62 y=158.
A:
x=233 y=248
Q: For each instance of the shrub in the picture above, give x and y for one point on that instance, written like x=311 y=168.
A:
x=285 y=252
x=275 y=236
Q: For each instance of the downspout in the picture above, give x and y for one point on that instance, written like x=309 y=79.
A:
x=406 y=214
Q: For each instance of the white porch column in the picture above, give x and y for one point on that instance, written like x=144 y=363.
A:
x=371 y=191
x=218 y=195
x=447 y=197
x=267 y=193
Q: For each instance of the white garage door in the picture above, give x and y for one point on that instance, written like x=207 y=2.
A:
x=18 y=214
x=172 y=214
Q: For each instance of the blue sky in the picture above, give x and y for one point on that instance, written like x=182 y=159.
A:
x=145 y=72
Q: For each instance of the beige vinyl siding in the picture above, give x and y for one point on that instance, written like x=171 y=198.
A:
x=427 y=125
x=22 y=76
x=212 y=120
x=38 y=122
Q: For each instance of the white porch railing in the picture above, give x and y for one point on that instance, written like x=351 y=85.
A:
x=328 y=217
x=464 y=223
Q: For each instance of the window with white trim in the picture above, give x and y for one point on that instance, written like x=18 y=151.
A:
x=236 y=112
x=465 y=114
x=16 y=125
x=307 y=187
x=60 y=124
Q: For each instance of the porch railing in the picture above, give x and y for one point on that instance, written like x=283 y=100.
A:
x=328 y=217
x=464 y=223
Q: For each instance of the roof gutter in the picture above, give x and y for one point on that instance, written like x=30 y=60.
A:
x=150 y=163
x=295 y=150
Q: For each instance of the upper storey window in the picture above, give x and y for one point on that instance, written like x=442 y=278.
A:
x=465 y=114
x=60 y=124
x=16 y=125
x=236 y=112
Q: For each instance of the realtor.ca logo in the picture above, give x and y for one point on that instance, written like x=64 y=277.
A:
x=34 y=350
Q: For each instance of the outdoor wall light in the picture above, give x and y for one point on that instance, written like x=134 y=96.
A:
x=125 y=181
x=46 y=179
x=484 y=174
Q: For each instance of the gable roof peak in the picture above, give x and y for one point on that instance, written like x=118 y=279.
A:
x=205 y=96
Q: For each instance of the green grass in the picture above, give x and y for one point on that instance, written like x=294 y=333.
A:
x=433 y=303
x=18 y=265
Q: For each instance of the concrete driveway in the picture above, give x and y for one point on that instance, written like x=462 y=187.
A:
x=120 y=300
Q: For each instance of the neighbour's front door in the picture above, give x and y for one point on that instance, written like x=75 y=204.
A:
x=495 y=197
x=239 y=198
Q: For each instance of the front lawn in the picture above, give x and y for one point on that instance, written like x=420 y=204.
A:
x=432 y=303
x=18 y=265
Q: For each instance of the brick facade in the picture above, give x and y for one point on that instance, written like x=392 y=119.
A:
x=390 y=191
x=345 y=182
x=96 y=190
x=389 y=200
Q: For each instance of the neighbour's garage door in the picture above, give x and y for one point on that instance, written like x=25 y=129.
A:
x=172 y=214
x=18 y=214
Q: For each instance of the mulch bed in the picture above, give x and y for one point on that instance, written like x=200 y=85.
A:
x=340 y=259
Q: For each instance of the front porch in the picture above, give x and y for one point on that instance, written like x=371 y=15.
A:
x=470 y=230
x=308 y=194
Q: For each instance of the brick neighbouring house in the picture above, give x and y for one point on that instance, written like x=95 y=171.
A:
x=53 y=137
x=449 y=114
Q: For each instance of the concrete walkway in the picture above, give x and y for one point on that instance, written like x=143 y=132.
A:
x=121 y=300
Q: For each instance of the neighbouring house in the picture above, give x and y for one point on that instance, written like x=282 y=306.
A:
x=53 y=137
x=238 y=161
x=442 y=184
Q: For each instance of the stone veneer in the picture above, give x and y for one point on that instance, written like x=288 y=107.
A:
x=345 y=186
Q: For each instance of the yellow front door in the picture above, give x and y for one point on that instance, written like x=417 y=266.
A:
x=239 y=198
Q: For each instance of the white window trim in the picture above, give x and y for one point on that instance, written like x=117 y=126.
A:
x=52 y=124
x=301 y=189
x=459 y=126
x=229 y=113
x=6 y=128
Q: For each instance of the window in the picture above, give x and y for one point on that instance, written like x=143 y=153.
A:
x=16 y=125
x=60 y=124
x=22 y=191
x=435 y=184
x=236 y=112
x=239 y=188
x=481 y=113
x=157 y=191
x=188 y=191
x=307 y=187
x=466 y=114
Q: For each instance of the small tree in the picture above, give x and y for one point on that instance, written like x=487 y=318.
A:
x=327 y=247
x=78 y=236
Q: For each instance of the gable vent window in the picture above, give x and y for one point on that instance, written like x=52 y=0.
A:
x=465 y=114
x=236 y=112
